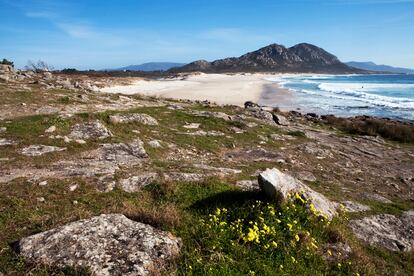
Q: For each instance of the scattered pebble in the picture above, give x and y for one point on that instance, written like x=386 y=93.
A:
x=50 y=129
x=66 y=139
x=73 y=187
x=154 y=144
x=191 y=126
x=43 y=183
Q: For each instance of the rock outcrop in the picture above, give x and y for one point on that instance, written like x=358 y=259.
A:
x=353 y=207
x=302 y=57
x=141 y=118
x=137 y=182
x=106 y=245
x=280 y=120
x=279 y=186
x=389 y=231
x=92 y=130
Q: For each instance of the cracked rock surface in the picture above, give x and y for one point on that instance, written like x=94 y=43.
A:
x=109 y=244
x=389 y=231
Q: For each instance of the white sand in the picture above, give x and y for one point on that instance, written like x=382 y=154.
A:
x=219 y=88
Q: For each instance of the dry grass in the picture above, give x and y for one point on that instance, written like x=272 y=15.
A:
x=364 y=125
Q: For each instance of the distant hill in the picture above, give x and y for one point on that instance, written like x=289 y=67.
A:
x=151 y=66
x=302 y=57
x=369 y=65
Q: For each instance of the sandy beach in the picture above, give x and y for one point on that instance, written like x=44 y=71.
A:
x=219 y=88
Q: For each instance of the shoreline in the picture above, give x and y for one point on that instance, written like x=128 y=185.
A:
x=223 y=89
x=236 y=89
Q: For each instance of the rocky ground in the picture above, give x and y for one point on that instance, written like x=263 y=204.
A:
x=69 y=155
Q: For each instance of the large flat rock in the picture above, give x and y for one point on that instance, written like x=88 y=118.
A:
x=106 y=245
x=91 y=130
x=384 y=230
x=141 y=118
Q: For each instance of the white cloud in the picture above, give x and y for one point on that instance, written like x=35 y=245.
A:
x=77 y=31
x=42 y=14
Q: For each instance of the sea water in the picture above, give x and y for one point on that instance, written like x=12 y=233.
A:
x=390 y=96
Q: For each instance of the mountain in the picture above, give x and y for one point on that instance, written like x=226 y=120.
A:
x=151 y=66
x=302 y=57
x=369 y=65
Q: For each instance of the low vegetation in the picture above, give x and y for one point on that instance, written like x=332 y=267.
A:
x=362 y=125
x=256 y=237
x=232 y=231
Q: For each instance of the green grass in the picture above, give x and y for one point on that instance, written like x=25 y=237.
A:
x=255 y=237
x=185 y=209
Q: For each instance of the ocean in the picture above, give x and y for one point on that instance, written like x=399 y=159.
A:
x=389 y=96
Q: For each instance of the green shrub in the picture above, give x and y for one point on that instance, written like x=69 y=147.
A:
x=6 y=62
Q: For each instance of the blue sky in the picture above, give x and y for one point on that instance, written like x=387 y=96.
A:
x=96 y=34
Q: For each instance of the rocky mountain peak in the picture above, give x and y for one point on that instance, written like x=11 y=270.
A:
x=303 y=57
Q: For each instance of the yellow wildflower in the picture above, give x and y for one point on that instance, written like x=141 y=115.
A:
x=266 y=228
x=297 y=237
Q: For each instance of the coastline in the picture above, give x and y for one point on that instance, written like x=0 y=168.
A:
x=266 y=89
x=223 y=89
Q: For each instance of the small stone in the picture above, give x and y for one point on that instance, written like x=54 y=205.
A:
x=50 y=129
x=80 y=141
x=6 y=142
x=154 y=144
x=73 y=187
x=40 y=199
x=3 y=129
x=192 y=126
x=75 y=202
x=37 y=150
x=66 y=139
x=43 y=183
